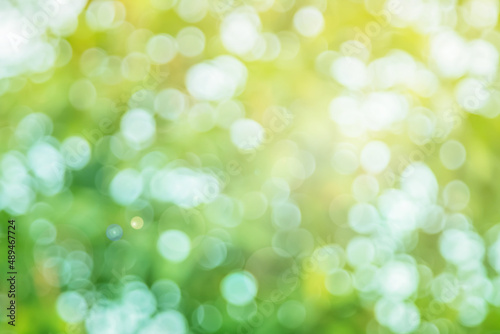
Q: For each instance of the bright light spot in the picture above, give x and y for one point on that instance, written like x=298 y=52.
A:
x=483 y=59
x=191 y=41
x=405 y=11
x=396 y=68
x=240 y=31
x=239 y=288
x=48 y=166
x=308 y=21
x=345 y=111
x=76 y=152
x=19 y=199
x=174 y=245
x=139 y=300
x=461 y=248
x=472 y=94
x=419 y=182
x=339 y=282
x=170 y=103
x=170 y=321
x=398 y=280
x=350 y=72
x=25 y=47
x=137 y=223
x=449 y=53
x=494 y=297
x=184 y=187
x=452 y=154
x=216 y=80
x=399 y=317
x=247 y=134
x=472 y=311
x=382 y=109
x=32 y=128
x=126 y=186
x=161 y=48
x=114 y=232
x=138 y=127
x=71 y=307
x=375 y=157
x=481 y=14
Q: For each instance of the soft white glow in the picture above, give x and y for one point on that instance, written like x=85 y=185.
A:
x=174 y=245
x=452 y=154
x=350 y=72
x=138 y=127
x=375 y=157
x=483 y=58
x=240 y=31
x=161 y=48
x=461 y=247
x=76 y=152
x=363 y=218
x=398 y=280
x=184 y=187
x=239 y=288
x=450 y=54
x=170 y=103
x=126 y=186
x=190 y=41
x=216 y=80
x=308 y=21
x=246 y=134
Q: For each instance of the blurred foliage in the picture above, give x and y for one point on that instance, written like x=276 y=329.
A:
x=299 y=166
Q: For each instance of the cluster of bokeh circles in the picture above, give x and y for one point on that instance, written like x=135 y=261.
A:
x=252 y=166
